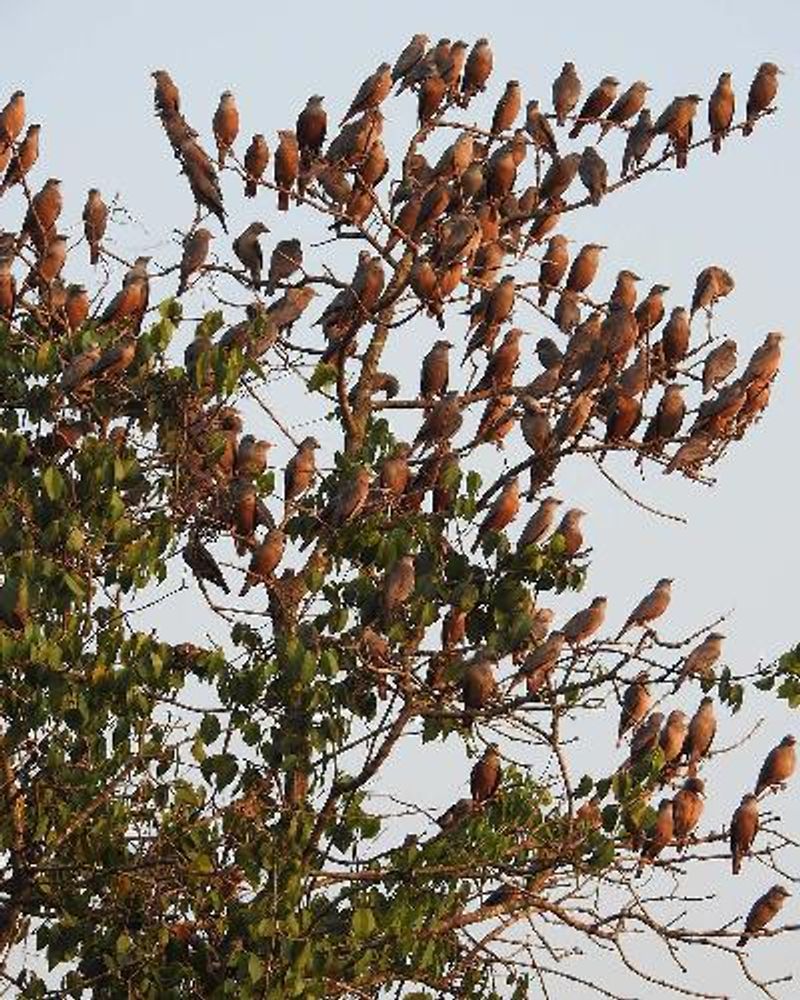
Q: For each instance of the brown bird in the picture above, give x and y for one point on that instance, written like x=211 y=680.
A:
x=454 y=628
x=265 y=559
x=553 y=267
x=435 y=372
x=502 y=364
x=195 y=253
x=23 y=159
x=721 y=107
x=636 y=704
x=701 y=732
x=311 y=129
x=286 y=166
x=256 y=160
x=566 y=92
x=673 y=737
x=744 y=827
x=593 y=172
x=627 y=106
x=719 y=364
x=624 y=292
x=394 y=472
x=243 y=497
x=456 y=814
x=675 y=121
x=659 y=835
x=286 y=258
x=778 y=766
x=700 y=661
x=76 y=307
x=765 y=909
x=398 y=586
x=12 y=119
x=765 y=361
x=638 y=143
x=291 y=306
x=583 y=624
x=204 y=566
x=348 y=501
x=247 y=248
x=675 y=339
x=410 y=57
x=541 y=661
x=574 y=418
x=540 y=523
x=479 y=684
x=535 y=425
x=558 y=176
x=50 y=264
x=501 y=513
x=538 y=128
x=763 y=91
x=225 y=125
x=251 y=457
x=598 y=101
x=624 y=413
x=8 y=289
x=570 y=530
x=167 y=97
x=116 y=358
x=42 y=214
x=687 y=808
x=507 y=108
x=371 y=93
x=713 y=283
x=651 y=606
x=301 y=471
x=650 y=310
x=497 y=421
x=645 y=738
x=484 y=779
x=95 y=217
x=584 y=267
x=202 y=177
x=477 y=69
x=668 y=418
x=430 y=96
x=499 y=306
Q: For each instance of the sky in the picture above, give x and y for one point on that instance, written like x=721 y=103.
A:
x=85 y=69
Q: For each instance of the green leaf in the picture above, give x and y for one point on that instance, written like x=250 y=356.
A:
x=255 y=968
x=53 y=483
x=363 y=922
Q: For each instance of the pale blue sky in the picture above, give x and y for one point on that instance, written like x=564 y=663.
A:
x=85 y=68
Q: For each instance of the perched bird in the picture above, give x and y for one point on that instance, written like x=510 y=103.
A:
x=535 y=425
x=778 y=766
x=574 y=418
x=566 y=92
x=286 y=258
x=673 y=736
x=744 y=827
x=541 y=661
x=651 y=606
x=659 y=835
x=42 y=214
x=719 y=364
x=484 y=779
x=765 y=909
x=713 y=283
x=225 y=125
x=256 y=160
x=301 y=471
x=477 y=69
x=765 y=360
x=8 y=289
x=286 y=166
x=636 y=704
x=501 y=513
x=23 y=159
x=721 y=107
x=76 y=306
x=675 y=121
x=675 y=339
x=558 y=177
x=626 y=106
x=502 y=364
x=554 y=266
x=584 y=267
x=593 y=172
x=202 y=177
x=638 y=143
x=598 y=101
x=478 y=684
x=410 y=56
x=265 y=559
x=12 y=119
x=687 y=808
x=507 y=108
x=251 y=457
x=456 y=814
x=650 y=310
x=435 y=371
x=371 y=93
x=583 y=624
x=311 y=129
x=395 y=473
x=398 y=586
x=667 y=420
x=50 y=263
x=348 y=501
x=247 y=248
x=569 y=529
x=691 y=454
x=700 y=661
x=540 y=523
x=538 y=128
x=195 y=253
x=203 y=564
x=429 y=97
x=763 y=91
x=645 y=737
x=454 y=628
x=167 y=98
x=95 y=217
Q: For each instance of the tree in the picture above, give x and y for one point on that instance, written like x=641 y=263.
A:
x=203 y=818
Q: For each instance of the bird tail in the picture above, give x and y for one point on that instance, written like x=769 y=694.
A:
x=736 y=863
x=182 y=286
x=747 y=130
x=575 y=131
x=716 y=145
x=283 y=200
x=743 y=939
x=596 y=198
x=245 y=586
x=94 y=253
x=249 y=188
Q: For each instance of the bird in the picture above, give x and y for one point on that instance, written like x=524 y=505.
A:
x=477 y=69
x=700 y=661
x=507 y=108
x=541 y=661
x=570 y=531
x=23 y=159
x=456 y=814
x=478 y=684
x=251 y=457
x=286 y=258
x=42 y=214
x=535 y=425
x=583 y=624
x=204 y=566
x=687 y=808
x=95 y=217
x=778 y=765
x=485 y=777
x=195 y=253
x=598 y=101
x=675 y=339
x=719 y=364
x=712 y=283
x=398 y=586
x=76 y=307
x=395 y=473
x=256 y=160
x=348 y=501
x=559 y=176
x=765 y=360
x=247 y=248
x=651 y=606
x=502 y=512
x=202 y=177
x=593 y=172
x=502 y=364
x=743 y=830
x=626 y=106
x=225 y=125
x=300 y=472
x=650 y=310
x=410 y=56
x=700 y=734
x=721 y=108
x=286 y=166
x=12 y=119
x=638 y=142
x=659 y=835
x=566 y=92
x=765 y=909
x=763 y=91
x=672 y=738
x=540 y=523
x=538 y=128
x=636 y=702
x=265 y=559
x=675 y=121
x=371 y=93
x=645 y=737
x=167 y=98
x=584 y=267
x=311 y=129
x=8 y=289
x=434 y=375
